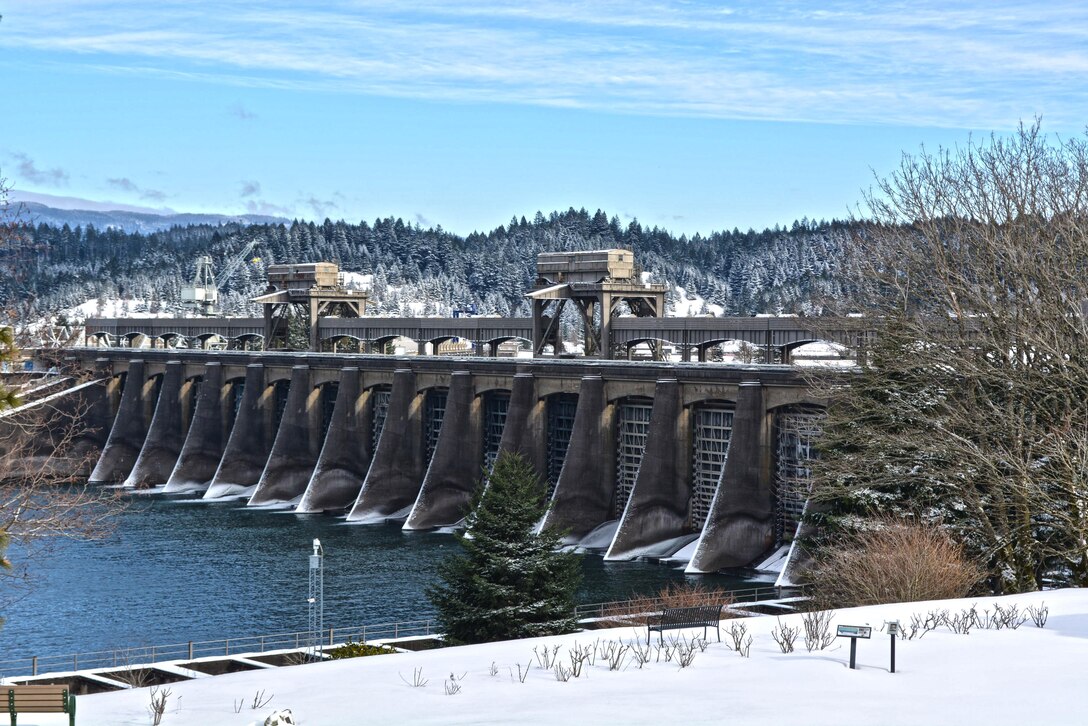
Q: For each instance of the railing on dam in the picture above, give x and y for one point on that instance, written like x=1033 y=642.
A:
x=685 y=333
x=128 y=658
x=122 y=658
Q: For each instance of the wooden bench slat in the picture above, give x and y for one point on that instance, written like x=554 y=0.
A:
x=39 y=699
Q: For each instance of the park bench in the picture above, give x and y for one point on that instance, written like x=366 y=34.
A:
x=40 y=699
x=694 y=617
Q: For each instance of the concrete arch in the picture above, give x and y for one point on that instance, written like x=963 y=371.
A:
x=101 y=339
x=616 y=391
x=207 y=340
x=779 y=398
x=133 y=339
x=172 y=337
x=246 y=341
x=337 y=343
x=639 y=341
x=506 y=338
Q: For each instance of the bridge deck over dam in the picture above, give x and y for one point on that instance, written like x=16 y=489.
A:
x=693 y=336
x=641 y=458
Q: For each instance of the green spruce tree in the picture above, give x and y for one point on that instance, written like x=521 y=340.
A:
x=511 y=582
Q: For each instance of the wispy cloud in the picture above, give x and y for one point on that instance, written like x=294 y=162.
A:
x=321 y=207
x=26 y=170
x=259 y=206
x=127 y=185
x=983 y=64
x=250 y=189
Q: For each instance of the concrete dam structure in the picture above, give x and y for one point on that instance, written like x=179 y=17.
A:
x=704 y=462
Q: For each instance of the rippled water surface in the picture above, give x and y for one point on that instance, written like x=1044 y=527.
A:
x=177 y=570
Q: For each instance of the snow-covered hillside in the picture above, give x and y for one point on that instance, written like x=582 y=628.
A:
x=1023 y=676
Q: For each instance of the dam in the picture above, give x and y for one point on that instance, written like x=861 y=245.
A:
x=694 y=461
x=642 y=459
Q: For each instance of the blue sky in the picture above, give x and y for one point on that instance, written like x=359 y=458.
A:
x=690 y=115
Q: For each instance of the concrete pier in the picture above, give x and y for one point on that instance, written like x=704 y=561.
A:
x=393 y=481
x=657 y=510
x=345 y=456
x=641 y=434
x=454 y=470
x=740 y=525
x=166 y=436
x=583 y=494
x=129 y=428
x=524 y=433
x=203 y=448
x=250 y=440
x=298 y=442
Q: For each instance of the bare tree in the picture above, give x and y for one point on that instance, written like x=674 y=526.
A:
x=46 y=448
x=969 y=411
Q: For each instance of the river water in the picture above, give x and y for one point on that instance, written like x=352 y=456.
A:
x=176 y=570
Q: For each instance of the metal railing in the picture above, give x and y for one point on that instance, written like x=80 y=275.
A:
x=149 y=654
x=640 y=606
x=190 y=650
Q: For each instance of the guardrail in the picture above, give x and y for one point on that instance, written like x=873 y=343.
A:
x=640 y=606
x=148 y=654
x=190 y=650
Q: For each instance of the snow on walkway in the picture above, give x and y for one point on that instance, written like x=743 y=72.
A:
x=1024 y=676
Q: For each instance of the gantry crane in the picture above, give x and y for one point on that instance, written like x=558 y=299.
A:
x=202 y=296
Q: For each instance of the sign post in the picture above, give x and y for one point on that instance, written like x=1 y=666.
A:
x=853 y=632
x=893 y=630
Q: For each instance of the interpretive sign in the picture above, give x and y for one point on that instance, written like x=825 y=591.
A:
x=854 y=631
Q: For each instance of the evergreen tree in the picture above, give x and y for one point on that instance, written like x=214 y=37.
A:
x=510 y=582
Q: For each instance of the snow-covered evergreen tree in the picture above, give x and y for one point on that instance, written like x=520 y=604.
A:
x=511 y=582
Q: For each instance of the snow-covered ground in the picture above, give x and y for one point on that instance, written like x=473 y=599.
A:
x=689 y=304
x=116 y=308
x=1023 y=676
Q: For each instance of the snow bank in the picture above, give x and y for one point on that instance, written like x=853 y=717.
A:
x=1024 y=676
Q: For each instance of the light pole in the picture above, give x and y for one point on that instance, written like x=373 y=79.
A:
x=317 y=597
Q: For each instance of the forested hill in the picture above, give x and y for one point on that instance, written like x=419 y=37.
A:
x=745 y=273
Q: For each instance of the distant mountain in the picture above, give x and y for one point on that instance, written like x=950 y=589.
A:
x=36 y=213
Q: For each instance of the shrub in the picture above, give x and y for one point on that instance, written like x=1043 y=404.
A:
x=891 y=561
x=352 y=649
x=674 y=595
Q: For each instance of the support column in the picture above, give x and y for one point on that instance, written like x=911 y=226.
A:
x=250 y=440
x=583 y=494
x=658 y=508
x=298 y=443
x=166 y=435
x=345 y=455
x=203 y=447
x=392 y=483
x=522 y=433
x=740 y=525
x=129 y=428
x=454 y=471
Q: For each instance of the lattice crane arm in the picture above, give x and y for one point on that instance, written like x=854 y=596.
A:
x=232 y=266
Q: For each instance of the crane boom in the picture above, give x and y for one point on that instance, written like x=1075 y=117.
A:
x=233 y=265
x=203 y=295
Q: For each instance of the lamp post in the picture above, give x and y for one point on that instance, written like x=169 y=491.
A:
x=316 y=600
